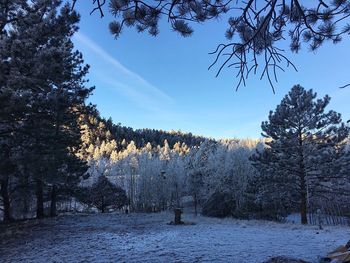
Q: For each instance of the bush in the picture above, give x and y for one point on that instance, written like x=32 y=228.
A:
x=220 y=204
x=103 y=194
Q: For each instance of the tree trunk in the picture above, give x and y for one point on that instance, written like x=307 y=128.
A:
x=39 y=199
x=6 y=200
x=303 y=200
x=53 y=201
x=195 y=204
x=177 y=219
x=26 y=195
x=102 y=204
x=303 y=186
x=303 y=209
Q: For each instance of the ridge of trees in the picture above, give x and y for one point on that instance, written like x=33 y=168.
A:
x=97 y=129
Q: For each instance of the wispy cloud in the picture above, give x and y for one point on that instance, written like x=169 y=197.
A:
x=140 y=98
x=127 y=82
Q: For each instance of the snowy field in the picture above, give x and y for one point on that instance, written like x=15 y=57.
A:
x=148 y=238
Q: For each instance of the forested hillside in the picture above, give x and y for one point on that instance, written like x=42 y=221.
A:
x=158 y=177
x=96 y=129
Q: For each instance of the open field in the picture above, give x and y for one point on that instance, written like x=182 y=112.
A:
x=148 y=238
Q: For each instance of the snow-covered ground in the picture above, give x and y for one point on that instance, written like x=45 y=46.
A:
x=148 y=238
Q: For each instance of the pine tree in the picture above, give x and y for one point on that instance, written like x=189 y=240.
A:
x=301 y=136
x=44 y=86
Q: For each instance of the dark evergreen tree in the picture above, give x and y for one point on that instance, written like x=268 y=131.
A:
x=305 y=147
x=13 y=100
x=43 y=90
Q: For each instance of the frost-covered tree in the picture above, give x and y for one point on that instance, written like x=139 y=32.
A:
x=304 y=142
x=198 y=171
x=229 y=176
x=238 y=171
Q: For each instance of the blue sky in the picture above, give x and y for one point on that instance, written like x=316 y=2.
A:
x=164 y=82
